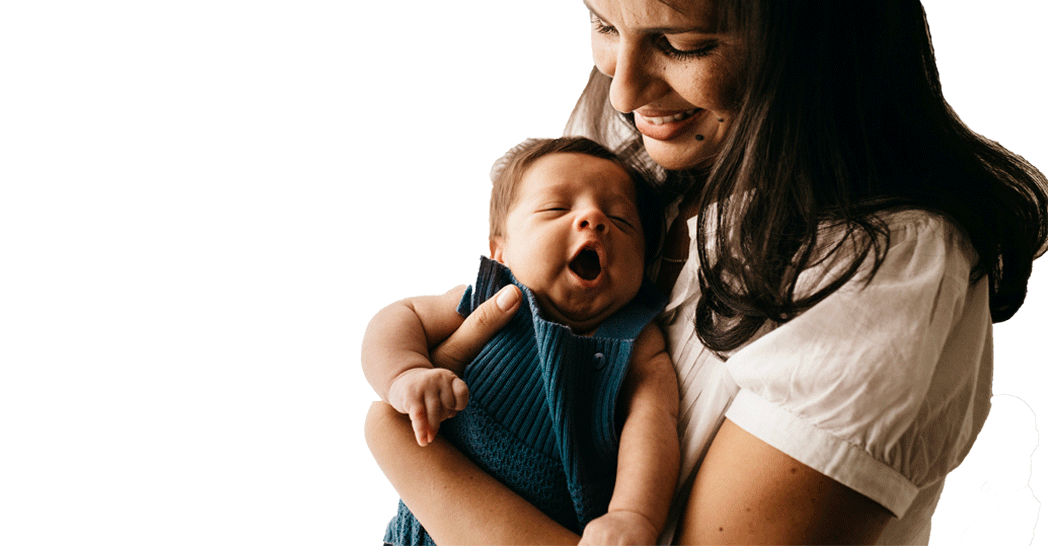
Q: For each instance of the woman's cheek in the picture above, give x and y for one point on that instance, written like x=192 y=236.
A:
x=603 y=56
x=723 y=81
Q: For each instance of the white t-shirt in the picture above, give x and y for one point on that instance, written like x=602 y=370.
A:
x=882 y=387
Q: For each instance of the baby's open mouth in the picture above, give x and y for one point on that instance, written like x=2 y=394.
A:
x=586 y=264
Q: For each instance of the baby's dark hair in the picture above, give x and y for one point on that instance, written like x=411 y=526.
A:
x=509 y=170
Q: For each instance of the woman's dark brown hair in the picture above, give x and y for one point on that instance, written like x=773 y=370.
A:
x=841 y=117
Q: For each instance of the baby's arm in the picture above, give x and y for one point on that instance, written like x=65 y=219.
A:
x=649 y=452
x=395 y=358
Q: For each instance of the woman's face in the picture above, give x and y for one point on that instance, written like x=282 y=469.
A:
x=676 y=71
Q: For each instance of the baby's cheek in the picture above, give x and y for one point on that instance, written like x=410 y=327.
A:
x=638 y=253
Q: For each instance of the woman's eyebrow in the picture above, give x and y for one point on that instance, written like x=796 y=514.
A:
x=593 y=11
x=658 y=30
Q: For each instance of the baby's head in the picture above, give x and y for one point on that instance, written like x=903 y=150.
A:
x=574 y=224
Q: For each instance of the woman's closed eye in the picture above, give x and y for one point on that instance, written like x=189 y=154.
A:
x=600 y=26
x=664 y=45
x=661 y=42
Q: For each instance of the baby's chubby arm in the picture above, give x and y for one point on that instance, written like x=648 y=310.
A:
x=404 y=340
x=396 y=360
x=649 y=451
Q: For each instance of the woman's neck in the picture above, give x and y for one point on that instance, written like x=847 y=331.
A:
x=678 y=241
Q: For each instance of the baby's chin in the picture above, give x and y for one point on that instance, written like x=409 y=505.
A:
x=583 y=317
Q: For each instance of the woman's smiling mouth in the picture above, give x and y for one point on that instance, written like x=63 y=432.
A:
x=660 y=120
x=665 y=127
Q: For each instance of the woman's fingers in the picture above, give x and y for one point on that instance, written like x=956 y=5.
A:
x=479 y=327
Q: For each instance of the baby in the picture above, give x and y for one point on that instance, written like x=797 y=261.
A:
x=573 y=405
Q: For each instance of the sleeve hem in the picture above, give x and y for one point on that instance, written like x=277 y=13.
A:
x=837 y=459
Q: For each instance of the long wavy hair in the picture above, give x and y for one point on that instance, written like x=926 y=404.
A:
x=841 y=117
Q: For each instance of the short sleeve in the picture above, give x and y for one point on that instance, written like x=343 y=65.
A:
x=881 y=386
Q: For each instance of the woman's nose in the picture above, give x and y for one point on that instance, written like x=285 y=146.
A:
x=635 y=78
x=592 y=219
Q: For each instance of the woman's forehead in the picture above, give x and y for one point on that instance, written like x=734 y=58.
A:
x=702 y=8
x=657 y=15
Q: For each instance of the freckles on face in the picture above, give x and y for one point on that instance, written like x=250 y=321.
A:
x=675 y=70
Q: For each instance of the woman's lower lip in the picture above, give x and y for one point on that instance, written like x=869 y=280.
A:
x=667 y=130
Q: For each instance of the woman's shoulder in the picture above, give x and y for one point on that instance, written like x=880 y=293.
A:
x=899 y=245
x=922 y=238
x=895 y=312
x=925 y=227
x=884 y=374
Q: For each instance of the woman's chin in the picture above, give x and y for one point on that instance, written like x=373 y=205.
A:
x=680 y=153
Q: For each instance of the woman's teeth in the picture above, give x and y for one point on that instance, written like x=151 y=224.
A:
x=666 y=119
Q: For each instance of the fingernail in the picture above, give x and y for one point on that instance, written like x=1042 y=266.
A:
x=505 y=298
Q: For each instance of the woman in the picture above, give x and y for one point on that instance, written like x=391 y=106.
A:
x=830 y=320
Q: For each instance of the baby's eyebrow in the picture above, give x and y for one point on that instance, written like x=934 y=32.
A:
x=558 y=189
x=622 y=197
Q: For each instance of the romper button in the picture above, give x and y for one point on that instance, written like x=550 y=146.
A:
x=599 y=361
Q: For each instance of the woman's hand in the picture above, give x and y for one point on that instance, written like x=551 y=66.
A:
x=457 y=502
x=479 y=327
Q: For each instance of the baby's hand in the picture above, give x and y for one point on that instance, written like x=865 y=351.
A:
x=428 y=396
x=619 y=528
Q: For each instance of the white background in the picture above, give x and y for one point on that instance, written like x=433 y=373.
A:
x=203 y=202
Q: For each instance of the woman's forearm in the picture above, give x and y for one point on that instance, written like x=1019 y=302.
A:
x=457 y=502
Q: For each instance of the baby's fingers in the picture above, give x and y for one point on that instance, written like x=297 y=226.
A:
x=461 y=394
x=420 y=424
x=454 y=397
x=436 y=412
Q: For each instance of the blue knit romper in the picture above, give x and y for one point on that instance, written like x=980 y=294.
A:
x=541 y=415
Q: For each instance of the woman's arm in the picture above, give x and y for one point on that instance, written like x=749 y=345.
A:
x=457 y=502
x=748 y=492
x=395 y=355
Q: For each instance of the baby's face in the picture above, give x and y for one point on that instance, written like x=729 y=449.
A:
x=573 y=236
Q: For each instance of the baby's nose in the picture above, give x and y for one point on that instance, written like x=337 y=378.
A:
x=592 y=219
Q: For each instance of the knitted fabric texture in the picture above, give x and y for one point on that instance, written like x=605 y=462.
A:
x=541 y=416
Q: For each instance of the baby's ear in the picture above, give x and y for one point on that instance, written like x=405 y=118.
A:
x=495 y=244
